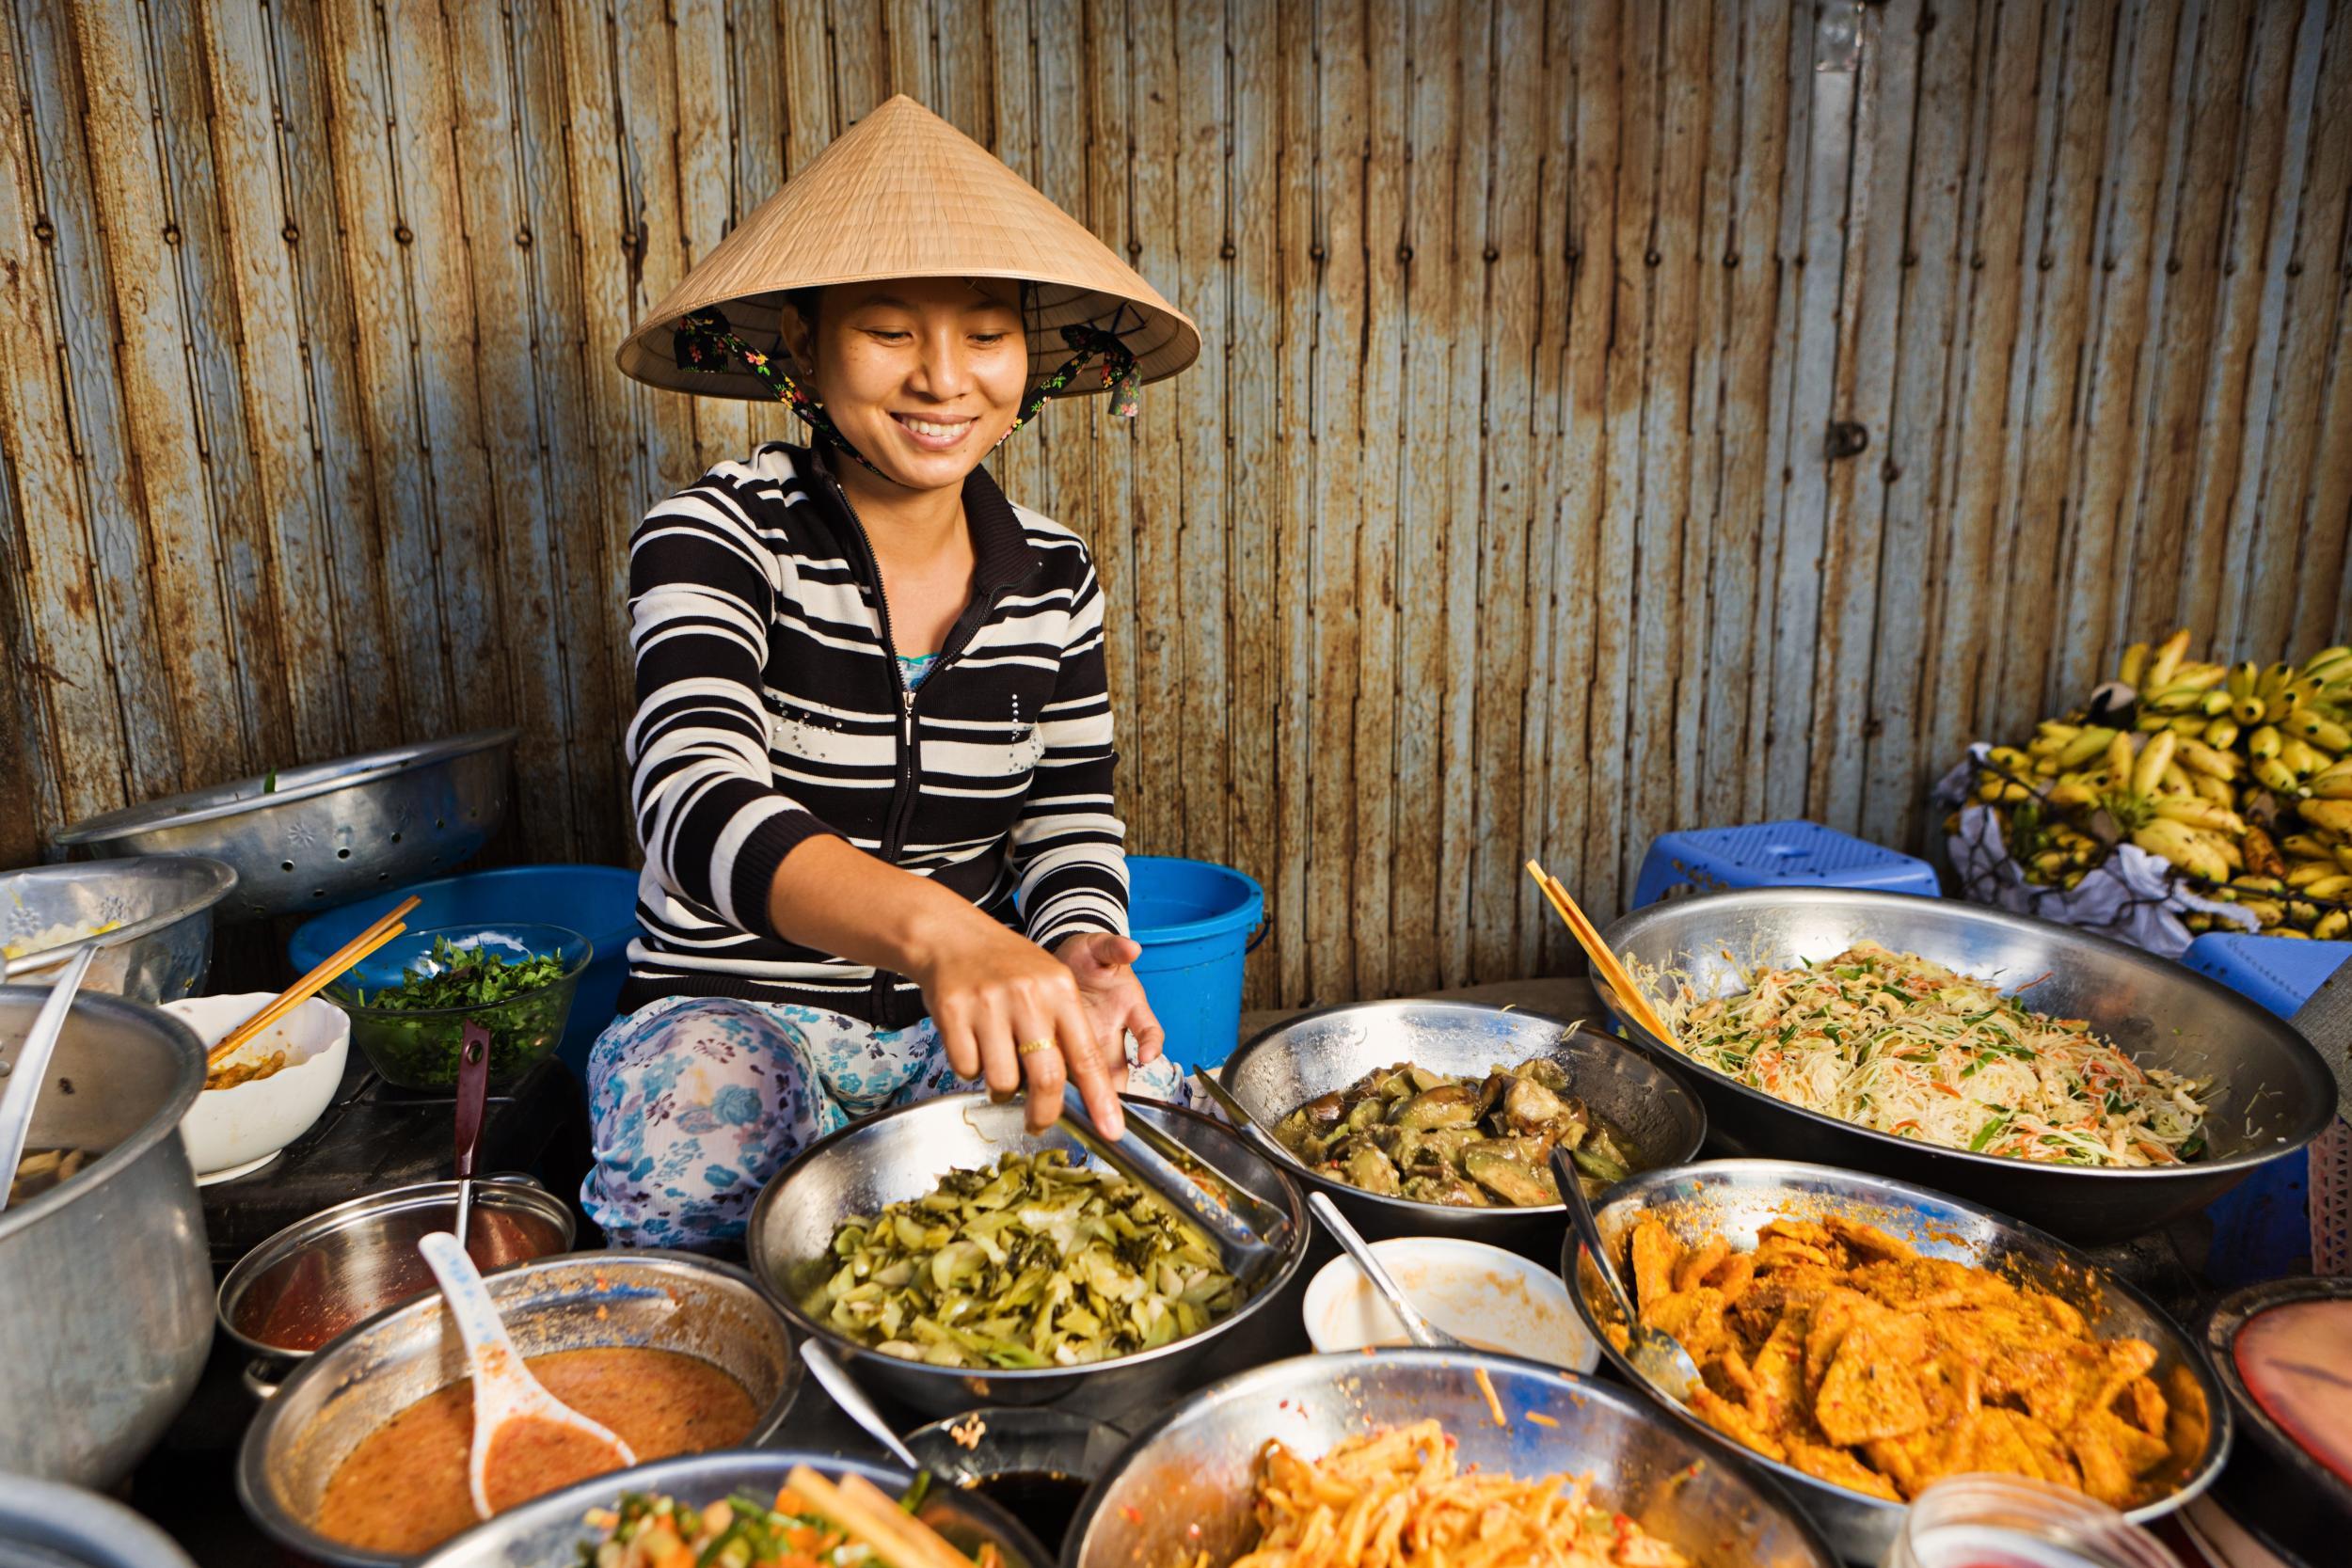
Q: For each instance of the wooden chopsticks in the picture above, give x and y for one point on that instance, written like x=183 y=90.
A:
x=860 y=1507
x=326 y=973
x=1604 y=962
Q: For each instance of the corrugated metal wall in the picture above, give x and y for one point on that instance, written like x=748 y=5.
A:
x=1498 y=519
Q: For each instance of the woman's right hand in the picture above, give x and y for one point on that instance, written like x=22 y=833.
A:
x=992 y=991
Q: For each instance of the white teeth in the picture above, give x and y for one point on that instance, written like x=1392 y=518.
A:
x=926 y=427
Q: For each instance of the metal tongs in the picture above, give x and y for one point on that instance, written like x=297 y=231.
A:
x=1252 y=1235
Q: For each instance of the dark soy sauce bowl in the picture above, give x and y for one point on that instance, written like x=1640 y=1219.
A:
x=1035 y=1462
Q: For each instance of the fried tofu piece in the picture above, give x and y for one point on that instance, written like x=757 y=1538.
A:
x=1699 y=1262
x=2145 y=1407
x=1653 y=1255
x=1694 y=1317
x=1867 y=1242
x=1734 y=1422
x=1734 y=1276
x=1777 y=1395
x=1872 y=1388
x=2113 y=1456
x=1838 y=1313
x=1840 y=1468
x=1931 y=1285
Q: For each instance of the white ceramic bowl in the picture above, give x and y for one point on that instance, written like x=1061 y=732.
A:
x=232 y=1132
x=1496 y=1300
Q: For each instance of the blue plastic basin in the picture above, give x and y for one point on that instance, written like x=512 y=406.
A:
x=1194 y=921
x=598 y=901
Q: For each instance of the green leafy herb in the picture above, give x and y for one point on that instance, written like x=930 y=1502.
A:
x=414 y=1031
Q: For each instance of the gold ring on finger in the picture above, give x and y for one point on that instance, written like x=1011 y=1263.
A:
x=1030 y=1048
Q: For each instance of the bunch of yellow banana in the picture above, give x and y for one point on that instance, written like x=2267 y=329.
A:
x=2213 y=753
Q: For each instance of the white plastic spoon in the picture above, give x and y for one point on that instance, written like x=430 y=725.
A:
x=504 y=1392
x=23 y=1090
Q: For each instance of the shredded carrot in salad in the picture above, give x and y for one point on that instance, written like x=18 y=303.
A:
x=1897 y=1044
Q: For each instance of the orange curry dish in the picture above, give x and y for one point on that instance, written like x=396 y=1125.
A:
x=1838 y=1349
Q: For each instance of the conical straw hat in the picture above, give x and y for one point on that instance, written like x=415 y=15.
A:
x=904 y=194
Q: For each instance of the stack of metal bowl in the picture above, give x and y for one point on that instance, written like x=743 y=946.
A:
x=1186 y=1484
x=2271 y=1093
x=1318 y=1053
x=1735 y=1198
x=902 y=1155
x=159 y=909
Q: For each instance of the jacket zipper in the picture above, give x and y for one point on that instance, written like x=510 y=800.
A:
x=900 y=816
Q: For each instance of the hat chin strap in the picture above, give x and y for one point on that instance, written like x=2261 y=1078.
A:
x=706 y=341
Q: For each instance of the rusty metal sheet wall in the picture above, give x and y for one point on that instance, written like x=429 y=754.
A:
x=1498 y=519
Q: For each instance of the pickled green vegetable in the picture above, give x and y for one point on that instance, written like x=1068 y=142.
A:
x=1034 y=1263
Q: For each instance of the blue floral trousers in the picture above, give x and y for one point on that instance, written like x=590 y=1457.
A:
x=695 y=1101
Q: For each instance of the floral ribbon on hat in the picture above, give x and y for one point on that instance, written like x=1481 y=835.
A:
x=706 y=340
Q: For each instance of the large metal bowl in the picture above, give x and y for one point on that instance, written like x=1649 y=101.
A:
x=665 y=1300
x=2271 y=1092
x=546 y=1531
x=309 y=837
x=1185 y=1484
x=1317 y=1052
x=1735 y=1197
x=105 y=1285
x=160 y=906
x=902 y=1154
x=46 y=1524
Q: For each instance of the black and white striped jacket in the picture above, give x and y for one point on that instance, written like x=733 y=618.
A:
x=770 y=708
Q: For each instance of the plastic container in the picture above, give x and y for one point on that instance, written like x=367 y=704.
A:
x=598 y=901
x=418 y=1050
x=1195 y=922
x=1777 y=854
x=2002 y=1521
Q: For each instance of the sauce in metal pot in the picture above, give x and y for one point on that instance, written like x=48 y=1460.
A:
x=2296 y=1361
x=404 y=1489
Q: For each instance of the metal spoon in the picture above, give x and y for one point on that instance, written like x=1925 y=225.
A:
x=32 y=1065
x=1658 y=1356
x=835 y=1380
x=504 y=1392
x=1420 y=1330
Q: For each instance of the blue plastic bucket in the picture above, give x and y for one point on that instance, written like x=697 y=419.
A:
x=1195 y=923
x=598 y=901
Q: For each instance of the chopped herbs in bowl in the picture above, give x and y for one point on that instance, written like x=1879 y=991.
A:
x=409 y=1000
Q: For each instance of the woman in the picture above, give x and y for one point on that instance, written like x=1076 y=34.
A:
x=872 y=760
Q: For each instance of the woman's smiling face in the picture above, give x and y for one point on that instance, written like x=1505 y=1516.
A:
x=923 y=375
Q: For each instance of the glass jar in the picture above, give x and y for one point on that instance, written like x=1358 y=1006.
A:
x=1996 y=1521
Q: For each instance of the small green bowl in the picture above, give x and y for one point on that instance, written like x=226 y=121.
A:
x=420 y=1049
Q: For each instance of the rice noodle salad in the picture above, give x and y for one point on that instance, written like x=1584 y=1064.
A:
x=1897 y=1044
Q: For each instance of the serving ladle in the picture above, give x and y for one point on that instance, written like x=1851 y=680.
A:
x=1657 y=1355
x=504 y=1393
x=1420 y=1330
x=23 y=1091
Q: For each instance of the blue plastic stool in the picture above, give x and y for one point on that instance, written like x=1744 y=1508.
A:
x=2262 y=1226
x=1195 y=922
x=598 y=901
x=1777 y=854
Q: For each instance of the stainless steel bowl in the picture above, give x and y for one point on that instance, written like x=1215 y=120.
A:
x=1293 y=1062
x=665 y=1300
x=2272 y=1093
x=902 y=1154
x=46 y=1524
x=1734 y=1198
x=546 y=1531
x=105 y=1285
x=1185 y=1484
x=341 y=1266
x=313 y=836
x=161 y=907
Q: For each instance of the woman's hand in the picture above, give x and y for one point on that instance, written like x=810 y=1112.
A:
x=1113 y=997
x=991 y=993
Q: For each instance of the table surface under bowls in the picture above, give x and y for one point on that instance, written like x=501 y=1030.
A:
x=184 y=1485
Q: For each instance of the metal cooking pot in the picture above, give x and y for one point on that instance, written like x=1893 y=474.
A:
x=1185 y=1484
x=902 y=1154
x=320 y=1275
x=2271 y=1092
x=105 y=1286
x=1314 y=1054
x=582 y=1300
x=46 y=1524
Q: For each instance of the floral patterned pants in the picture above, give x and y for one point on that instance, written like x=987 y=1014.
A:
x=697 y=1101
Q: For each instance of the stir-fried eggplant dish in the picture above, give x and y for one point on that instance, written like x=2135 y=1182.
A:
x=1405 y=1131
x=1034 y=1263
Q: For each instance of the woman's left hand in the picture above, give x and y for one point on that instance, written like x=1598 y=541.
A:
x=1115 y=1004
